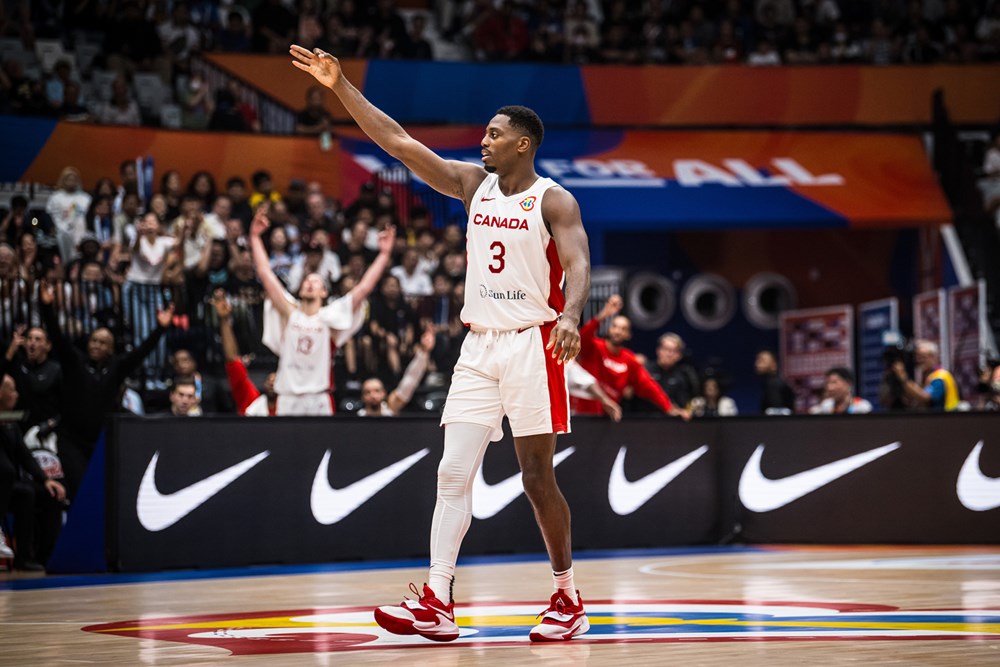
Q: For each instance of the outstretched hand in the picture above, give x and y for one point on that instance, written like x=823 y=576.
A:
x=564 y=341
x=612 y=307
x=165 y=317
x=387 y=240
x=260 y=222
x=428 y=338
x=324 y=67
x=222 y=306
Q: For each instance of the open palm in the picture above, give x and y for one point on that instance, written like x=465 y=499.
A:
x=324 y=67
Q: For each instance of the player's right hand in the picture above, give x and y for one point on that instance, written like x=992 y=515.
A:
x=324 y=67
x=260 y=222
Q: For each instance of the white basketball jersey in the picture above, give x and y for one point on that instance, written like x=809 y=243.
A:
x=514 y=277
x=304 y=364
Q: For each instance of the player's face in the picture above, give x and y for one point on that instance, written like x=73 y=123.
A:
x=313 y=287
x=499 y=144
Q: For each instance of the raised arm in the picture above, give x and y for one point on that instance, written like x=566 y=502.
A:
x=360 y=292
x=272 y=286
x=414 y=373
x=449 y=177
x=562 y=216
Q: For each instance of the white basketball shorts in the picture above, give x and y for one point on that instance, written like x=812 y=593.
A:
x=311 y=405
x=509 y=373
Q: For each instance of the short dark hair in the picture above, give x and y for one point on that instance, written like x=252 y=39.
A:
x=525 y=119
x=844 y=373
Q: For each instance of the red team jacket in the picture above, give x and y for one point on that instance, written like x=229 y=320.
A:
x=613 y=372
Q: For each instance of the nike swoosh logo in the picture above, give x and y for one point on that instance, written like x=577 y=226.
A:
x=975 y=490
x=489 y=499
x=626 y=497
x=330 y=505
x=487 y=199
x=158 y=511
x=760 y=494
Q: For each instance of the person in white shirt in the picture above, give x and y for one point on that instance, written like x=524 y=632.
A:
x=412 y=280
x=67 y=207
x=840 y=398
x=303 y=332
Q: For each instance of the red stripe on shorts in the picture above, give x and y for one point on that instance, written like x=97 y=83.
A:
x=556 y=381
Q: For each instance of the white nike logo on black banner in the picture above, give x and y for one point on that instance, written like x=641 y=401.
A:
x=976 y=491
x=158 y=511
x=626 y=497
x=760 y=494
x=330 y=505
x=488 y=499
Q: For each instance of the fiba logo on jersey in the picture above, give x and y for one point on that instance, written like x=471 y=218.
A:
x=528 y=203
x=502 y=295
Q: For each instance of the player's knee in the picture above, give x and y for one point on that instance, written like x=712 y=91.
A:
x=538 y=484
x=452 y=480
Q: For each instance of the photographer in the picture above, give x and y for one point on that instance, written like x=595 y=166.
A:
x=939 y=391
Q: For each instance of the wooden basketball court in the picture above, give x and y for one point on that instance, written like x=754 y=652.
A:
x=746 y=606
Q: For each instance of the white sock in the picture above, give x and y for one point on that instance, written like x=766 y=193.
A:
x=464 y=447
x=563 y=581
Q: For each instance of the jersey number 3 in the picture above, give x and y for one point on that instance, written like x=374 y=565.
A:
x=496 y=266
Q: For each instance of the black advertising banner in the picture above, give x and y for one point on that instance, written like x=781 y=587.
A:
x=219 y=492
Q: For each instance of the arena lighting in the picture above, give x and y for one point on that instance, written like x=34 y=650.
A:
x=708 y=302
x=650 y=299
x=765 y=296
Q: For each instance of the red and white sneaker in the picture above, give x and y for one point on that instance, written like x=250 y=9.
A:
x=562 y=621
x=426 y=616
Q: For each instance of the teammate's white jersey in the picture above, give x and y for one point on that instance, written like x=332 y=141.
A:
x=514 y=277
x=305 y=359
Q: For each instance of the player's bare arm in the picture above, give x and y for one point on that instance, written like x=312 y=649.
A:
x=272 y=286
x=449 y=177
x=562 y=216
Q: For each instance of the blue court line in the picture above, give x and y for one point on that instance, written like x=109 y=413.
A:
x=78 y=581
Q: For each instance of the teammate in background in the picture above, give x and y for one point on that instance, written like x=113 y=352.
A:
x=840 y=398
x=374 y=401
x=584 y=385
x=249 y=400
x=615 y=366
x=525 y=236
x=939 y=391
x=304 y=332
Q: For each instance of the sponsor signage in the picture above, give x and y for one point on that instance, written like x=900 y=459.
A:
x=218 y=492
x=812 y=342
x=876 y=319
x=966 y=323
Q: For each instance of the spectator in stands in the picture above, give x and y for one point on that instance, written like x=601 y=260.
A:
x=764 y=55
x=55 y=86
x=236 y=189
x=263 y=189
x=375 y=402
x=417 y=46
x=94 y=381
x=391 y=327
x=27 y=491
x=939 y=390
x=414 y=282
x=711 y=402
x=68 y=208
x=990 y=183
x=615 y=366
x=279 y=254
x=273 y=27
x=121 y=109
x=197 y=103
x=675 y=375
x=316 y=258
x=840 y=398
x=173 y=192
x=220 y=213
x=192 y=233
x=235 y=36
x=212 y=396
x=322 y=214
x=249 y=400
x=499 y=34
x=184 y=399
x=72 y=109
x=314 y=118
x=31 y=267
x=132 y=45
x=202 y=187
x=989 y=391
x=776 y=396
x=100 y=225
x=180 y=39
x=18 y=221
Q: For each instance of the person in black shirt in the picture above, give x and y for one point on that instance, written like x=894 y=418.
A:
x=776 y=396
x=92 y=382
x=673 y=372
x=26 y=490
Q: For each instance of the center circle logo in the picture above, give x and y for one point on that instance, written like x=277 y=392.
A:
x=334 y=629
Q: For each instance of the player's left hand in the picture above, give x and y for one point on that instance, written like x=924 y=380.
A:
x=564 y=341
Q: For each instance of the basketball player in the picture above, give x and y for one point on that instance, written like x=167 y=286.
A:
x=303 y=332
x=525 y=237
